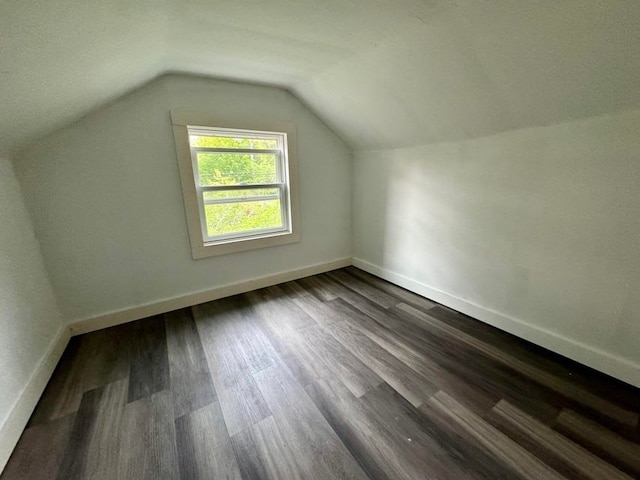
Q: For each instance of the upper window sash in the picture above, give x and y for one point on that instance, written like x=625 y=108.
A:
x=281 y=171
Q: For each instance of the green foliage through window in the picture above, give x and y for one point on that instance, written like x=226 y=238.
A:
x=236 y=168
x=244 y=210
x=242 y=216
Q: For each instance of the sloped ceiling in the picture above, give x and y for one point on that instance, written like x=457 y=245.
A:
x=382 y=73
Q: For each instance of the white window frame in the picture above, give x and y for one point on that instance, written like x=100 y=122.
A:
x=203 y=245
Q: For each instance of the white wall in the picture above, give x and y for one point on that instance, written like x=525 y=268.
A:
x=30 y=324
x=536 y=231
x=107 y=207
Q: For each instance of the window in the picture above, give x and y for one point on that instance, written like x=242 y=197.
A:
x=240 y=179
x=237 y=183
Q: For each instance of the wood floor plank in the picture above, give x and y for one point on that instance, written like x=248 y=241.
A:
x=204 y=446
x=556 y=445
x=148 y=442
x=433 y=357
x=263 y=452
x=191 y=382
x=379 y=459
x=339 y=361
x=502 y=447
x=75 y=459
x=362 y=288
x=318 y=353
x=293 y=289
x=404 y=422
x=240 y=400
x=278 y=309
x=316 y=288
x=320 y=311
x=478 y=381
x=62 y=392
x=247 y=456
x=90 y=361
x=255 y=346
x=601 y=440
x=599 y=384
x=313 y=356
x=40 y=451
x=491 y=335
x=329 y=284
x=562 y=386
x=275 y=451
x=359 y=302
x=94 y=444
x=242 y=404
x=305 y=428
x=280 y=325
x=149 y=371
x=399 y=293
x=454 y=437
x=381 y=443
x=410 y=352
x=214 y=322
x=411 y=385
x=457 y=459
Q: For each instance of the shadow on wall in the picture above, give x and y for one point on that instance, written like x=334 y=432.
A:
x=447 y=224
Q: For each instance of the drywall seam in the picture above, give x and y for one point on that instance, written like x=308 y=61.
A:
x=598 y=359
x=16 y=421
x=167 y=305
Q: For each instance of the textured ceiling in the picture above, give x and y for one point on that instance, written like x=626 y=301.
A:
x=382 y=73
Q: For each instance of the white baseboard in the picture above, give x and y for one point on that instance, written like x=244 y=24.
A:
x=168 y=305
x=591 y=356
x=22 y=409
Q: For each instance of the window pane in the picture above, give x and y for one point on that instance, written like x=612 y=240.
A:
x=236 y=168
x=233 y=142
x=237 y=217
x=256 y=193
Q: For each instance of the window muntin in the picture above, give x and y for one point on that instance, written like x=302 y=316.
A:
x=241 y=180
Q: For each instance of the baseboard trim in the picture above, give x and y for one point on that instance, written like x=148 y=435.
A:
x=23 y=407
x=167 y=305
x=616 y=366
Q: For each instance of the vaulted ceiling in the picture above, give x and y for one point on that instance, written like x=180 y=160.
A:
x=382 y=73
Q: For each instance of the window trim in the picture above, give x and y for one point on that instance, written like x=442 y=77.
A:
x=200 y=246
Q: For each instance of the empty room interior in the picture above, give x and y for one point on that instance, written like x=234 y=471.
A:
x=333 y=239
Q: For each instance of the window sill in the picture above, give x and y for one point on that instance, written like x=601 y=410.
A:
x=240 y=245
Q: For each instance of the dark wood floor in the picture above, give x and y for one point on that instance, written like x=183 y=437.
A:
x=336 y=376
